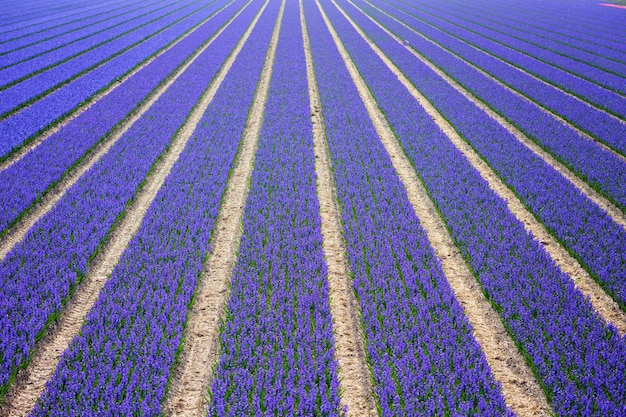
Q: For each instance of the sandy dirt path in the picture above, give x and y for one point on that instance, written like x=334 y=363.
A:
x=191 y=380
x=520 y=388
x=354 y=376
x=31 y=382
x=601 y=301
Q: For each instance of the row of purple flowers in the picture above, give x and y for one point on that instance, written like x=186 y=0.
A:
x=62 y=96
x=420 y=349
x=579 y=360
x=276 y=346
x=121 y=362
x=40 y=273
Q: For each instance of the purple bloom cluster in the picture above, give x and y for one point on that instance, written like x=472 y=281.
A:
x=26 y=47
x=574 y=22
x=596 y=123
x=580 y=225
x=22 y=91
x=604 y=171
x=33 y=175
x=592 y=92
x=40 y=272
x=502 y=39
x=24 y=125
x=27 y=19
x=589 y=54
x=277 y=355
x=420 y=348
x=599 y=53
x=580 y=361
x=39 y=58
x=122 y=360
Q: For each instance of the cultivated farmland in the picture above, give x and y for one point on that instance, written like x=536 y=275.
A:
x=312 y=208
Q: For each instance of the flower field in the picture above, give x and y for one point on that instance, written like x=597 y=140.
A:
x=312 y=208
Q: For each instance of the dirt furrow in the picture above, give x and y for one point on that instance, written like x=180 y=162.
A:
x=190 y=383
x=30 y=383
x=615 y=213
x=354 y=377
x=520 y=388
x=496 y=80
x=32 y=144
x=17 y=232
x=601 y=301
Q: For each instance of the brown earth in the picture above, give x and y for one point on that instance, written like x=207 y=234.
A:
x=601 y=301
x=520 y=389
x=30 y=382
x=354 y=376
x=188 y=395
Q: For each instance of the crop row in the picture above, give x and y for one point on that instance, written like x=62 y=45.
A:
x=121 y=362
x=32 y=176
x=47 y=19
x=582 y=227
x=16 y=70
x=276 y=345
x=600 y=168
x=42 y=270
x=45 y=112
x=16 y=96
x=27 y=47
x=529 y=53
x=419 y=344
x=592 y=121
x=586 y=90
x=595 y=25
x=579 y=360
x=602 y=58
x=573 y=38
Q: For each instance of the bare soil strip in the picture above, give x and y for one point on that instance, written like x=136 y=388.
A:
x=32 y=144
x=31 y=382
x=548 y=111
x=191 y=380
x=354 y=376
x=615 y=213
x=601 y=301
x=16 y=233
x=520 y=388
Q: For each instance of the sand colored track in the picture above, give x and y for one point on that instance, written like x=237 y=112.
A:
x=354 y=377
x=31 y=382
x=192 y=378
x=601 y=301
x=520 y=388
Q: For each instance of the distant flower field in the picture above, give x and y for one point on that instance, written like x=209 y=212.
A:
x=312 y=208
